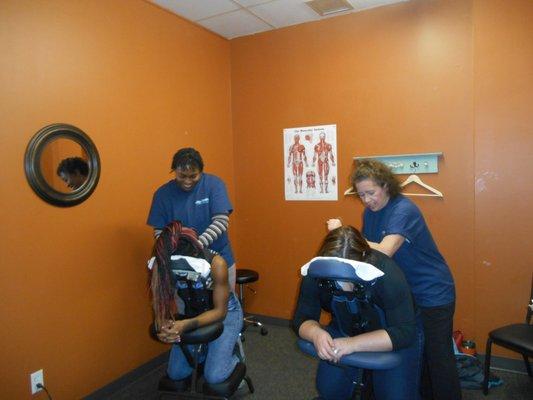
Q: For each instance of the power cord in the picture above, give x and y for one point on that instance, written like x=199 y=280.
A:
x=41 y=386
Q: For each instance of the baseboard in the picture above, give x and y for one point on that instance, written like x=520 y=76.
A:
x=502 y=363
x=130 y=377
x=507 y=364
x=266 y=320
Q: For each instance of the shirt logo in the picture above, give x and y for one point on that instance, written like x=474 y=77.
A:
x=202 y=201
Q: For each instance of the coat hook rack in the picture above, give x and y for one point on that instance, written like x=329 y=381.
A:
x=418 y=163
x=412 y=164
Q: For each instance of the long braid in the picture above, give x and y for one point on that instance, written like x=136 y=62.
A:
x=163 y=294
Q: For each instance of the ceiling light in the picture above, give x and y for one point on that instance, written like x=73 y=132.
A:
x=327 y=7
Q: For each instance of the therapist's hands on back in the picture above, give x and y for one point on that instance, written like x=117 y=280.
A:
x=333 y=223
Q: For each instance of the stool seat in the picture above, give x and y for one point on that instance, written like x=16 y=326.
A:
x=246 y=276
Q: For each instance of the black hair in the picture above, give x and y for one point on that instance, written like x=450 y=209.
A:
x=187 y=158
x=186 y=247
x=71 y=165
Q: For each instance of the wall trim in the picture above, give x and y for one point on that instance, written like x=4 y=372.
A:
x=497 y=363
x=118 y=384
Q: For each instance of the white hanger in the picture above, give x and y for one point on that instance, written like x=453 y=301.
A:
x=349 y=191
x=416 y=179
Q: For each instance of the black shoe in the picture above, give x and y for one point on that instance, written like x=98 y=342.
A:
x=167 y=384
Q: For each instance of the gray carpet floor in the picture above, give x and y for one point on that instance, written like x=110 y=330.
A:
x=280 y=371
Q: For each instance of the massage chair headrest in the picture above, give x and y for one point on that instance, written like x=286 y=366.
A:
x=340 y=269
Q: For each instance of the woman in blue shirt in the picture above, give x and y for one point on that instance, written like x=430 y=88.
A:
x=394 y=225
x=199 y=200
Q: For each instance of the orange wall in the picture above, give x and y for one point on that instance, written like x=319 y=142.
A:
x=422 y=76
x=141 y=83
x=503 y=118
x=451 y=76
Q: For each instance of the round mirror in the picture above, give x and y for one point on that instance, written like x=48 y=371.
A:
x=62 y=165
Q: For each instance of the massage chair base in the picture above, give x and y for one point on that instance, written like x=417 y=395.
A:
x=181 y=389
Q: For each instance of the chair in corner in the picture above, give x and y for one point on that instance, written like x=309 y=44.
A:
x=515 y=337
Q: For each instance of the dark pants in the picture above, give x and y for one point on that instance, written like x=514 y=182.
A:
x=439 y=379
x=401 y=383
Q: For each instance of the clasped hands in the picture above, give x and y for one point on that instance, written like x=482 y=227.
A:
x=170 y=331
x=330 y=349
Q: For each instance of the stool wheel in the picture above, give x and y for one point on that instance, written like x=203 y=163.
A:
x=264 y=331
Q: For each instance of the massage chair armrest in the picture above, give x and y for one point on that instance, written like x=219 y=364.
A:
x=379 y=360
x=204 y=334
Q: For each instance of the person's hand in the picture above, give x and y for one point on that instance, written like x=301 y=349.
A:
x=333 y=223
x=171 y=331
x=342 y=346
x=324 y=345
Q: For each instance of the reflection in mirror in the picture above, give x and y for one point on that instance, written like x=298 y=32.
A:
x=64 y=165
x=73 y=171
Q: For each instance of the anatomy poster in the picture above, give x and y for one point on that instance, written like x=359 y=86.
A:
x=310 y=163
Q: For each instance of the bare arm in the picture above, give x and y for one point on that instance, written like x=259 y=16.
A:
x=333 y=349
x=219 y=272
x=371 y=341
x=389 y=244
x=312 y=331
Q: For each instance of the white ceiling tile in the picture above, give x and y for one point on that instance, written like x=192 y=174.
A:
x=234 y=18
x=235 y=24
x=282 y=13
x=248 y=3
x=359 y=5
x=197 y=9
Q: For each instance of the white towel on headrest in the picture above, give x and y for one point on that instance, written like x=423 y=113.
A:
x=364 y=271
x=198 y=264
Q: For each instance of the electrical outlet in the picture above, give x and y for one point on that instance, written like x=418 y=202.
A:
x=36 y=378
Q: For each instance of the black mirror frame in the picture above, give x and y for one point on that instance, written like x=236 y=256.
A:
x=32 y=165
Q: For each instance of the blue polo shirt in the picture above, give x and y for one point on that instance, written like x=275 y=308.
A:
x=424 y=267
x=194 y=209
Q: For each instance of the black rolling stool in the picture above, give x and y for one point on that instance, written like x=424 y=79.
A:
x=244 y=277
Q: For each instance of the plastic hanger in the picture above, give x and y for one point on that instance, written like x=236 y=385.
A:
x=410 y=179
x=415 y=179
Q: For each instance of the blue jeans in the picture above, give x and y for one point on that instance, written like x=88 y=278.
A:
x=221 y=359
x=401 y=383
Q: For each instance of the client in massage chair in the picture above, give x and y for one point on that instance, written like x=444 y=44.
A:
x=178 y=245
x=395 y=328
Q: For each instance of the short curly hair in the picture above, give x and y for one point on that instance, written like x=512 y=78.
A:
x=71 y=165
x=187 y=158
x=379 y=173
